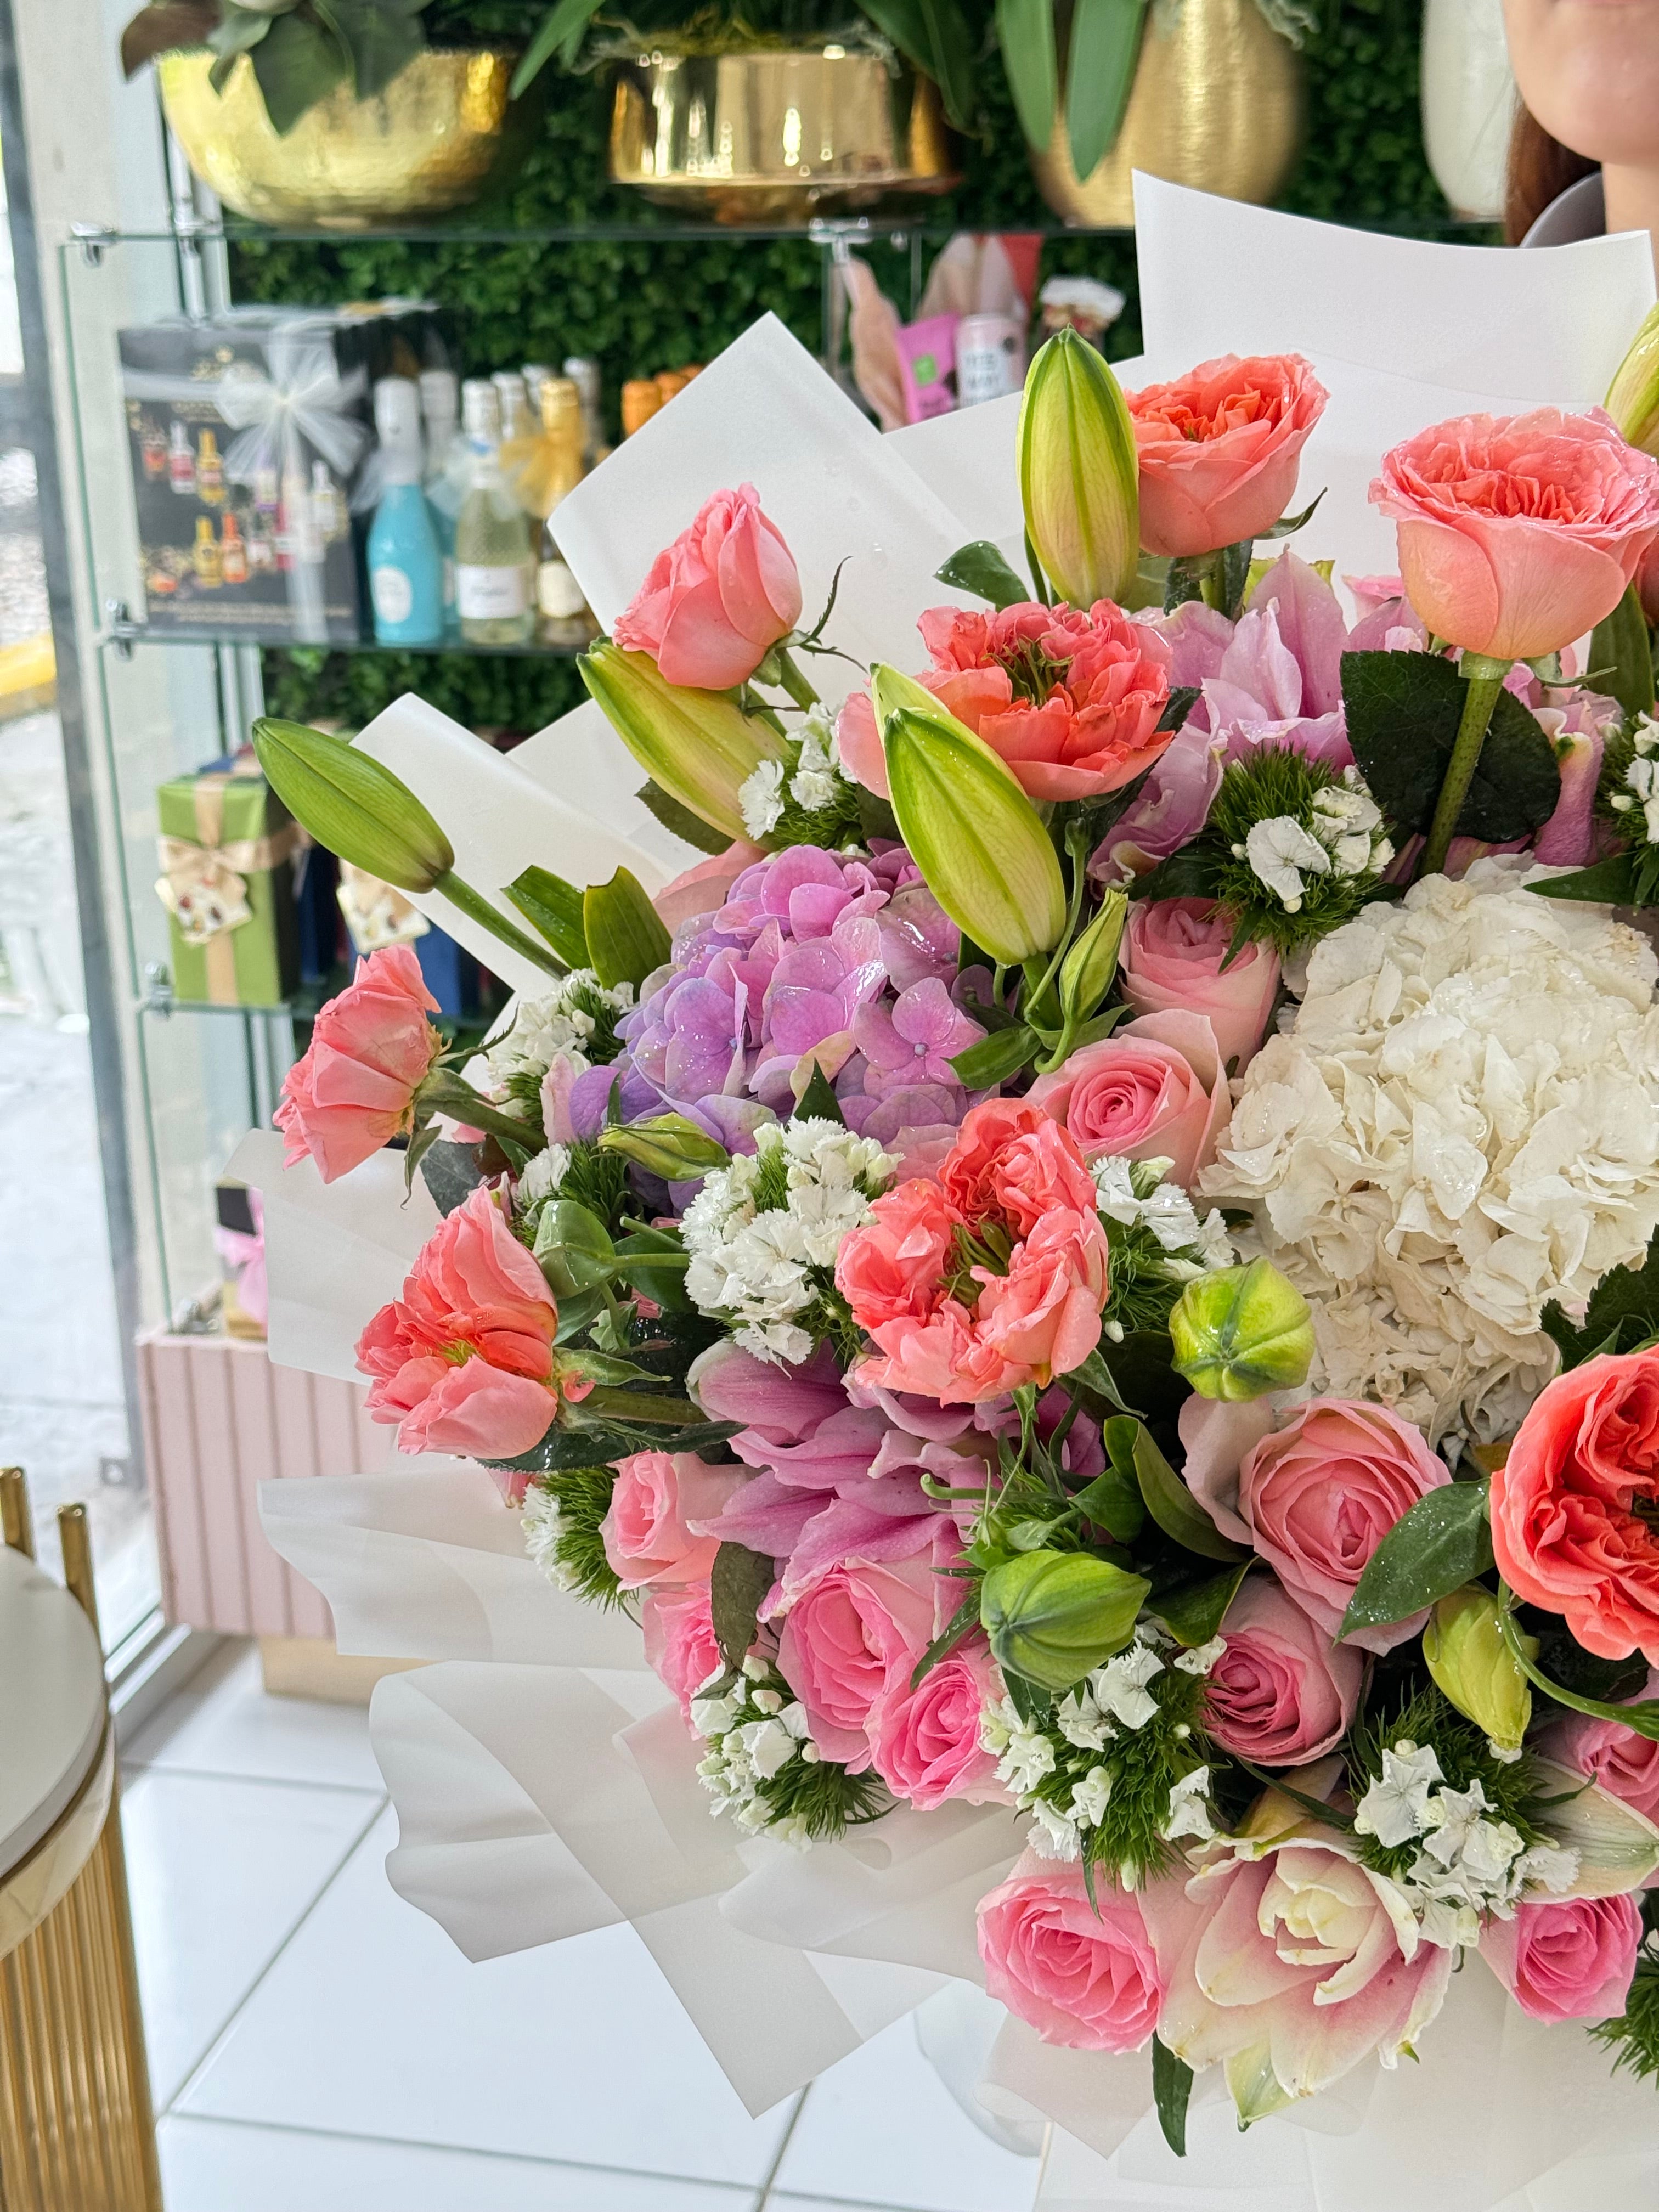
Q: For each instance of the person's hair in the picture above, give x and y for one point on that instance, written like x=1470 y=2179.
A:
x=1540 y=170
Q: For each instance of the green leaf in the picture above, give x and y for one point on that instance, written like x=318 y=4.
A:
x=1193 y=1612
x=1623 y=1311
x=1621 y=653
x=738 y=1589
x=1025 y=34
x=1179 y=704
x=1112 y=1501
x=993 y=1059
x=979 y=567
x=680 y=820
x=298 y=63
x=1172 y=2084
x=449 y=1172
x=1093 y=1375
x=574 y=1248
x=1289 y=525
x=626 y=938
x=962 y=1623
x=553 y=908
x=1438 y=1545
x=1403 y=711
x=1611 y=882
x=1029 y=1699
x=381 y=37
x=237 y=32
x=1173 y=1506
x=561 y=27
x=1642 y=1716
x=1100 y=69
x=818 y=1103
x=654 y=1261
x=933 y=34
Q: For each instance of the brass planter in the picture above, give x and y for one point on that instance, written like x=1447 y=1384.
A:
x=425 y=145
x=1216 y=104
x=771 y=137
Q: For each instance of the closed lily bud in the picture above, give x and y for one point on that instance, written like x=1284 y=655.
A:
x=1054 y=1616
x=1633 y=395
x=1091 y=962
x=668 y=1145
x=1079 y=475
x=1464 y=1649
x=352 y=806
x=1241 y=1332
x=975 y=837
x=699 y=746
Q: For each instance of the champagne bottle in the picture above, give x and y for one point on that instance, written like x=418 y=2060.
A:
x=565 y=617
x=492 y=550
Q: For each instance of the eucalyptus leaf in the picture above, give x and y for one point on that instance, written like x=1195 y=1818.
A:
x=1435 y=1546
x=738 y=1589
x=979 y=567
x=1403 y=710
x=1173 y=1506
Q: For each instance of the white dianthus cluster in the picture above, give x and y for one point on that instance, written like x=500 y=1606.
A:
x=1642 y=778
x=757 y=1231
x=542 y=1525
x=542 y=1178
x=1343 y=836
x=813 y=783
x=755 y=1726
x=1469 y=1866
x=557 y=1024
x=1134 y=1194
x=1461 y=1124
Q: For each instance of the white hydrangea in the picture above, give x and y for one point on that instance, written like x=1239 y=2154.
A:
x=550 y=1027
x=1461 y=1124
x=542 y=1525
x=753 y=1263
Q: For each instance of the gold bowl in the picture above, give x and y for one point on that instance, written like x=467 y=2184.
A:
x=427 y=143
x=770 y=137
x=1216 y=104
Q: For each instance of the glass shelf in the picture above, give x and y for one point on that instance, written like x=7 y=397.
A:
x=124 y=635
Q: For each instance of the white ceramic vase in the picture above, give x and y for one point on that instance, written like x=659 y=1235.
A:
x=1469 y=102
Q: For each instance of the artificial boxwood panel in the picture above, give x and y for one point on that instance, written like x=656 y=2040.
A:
x=639 y=307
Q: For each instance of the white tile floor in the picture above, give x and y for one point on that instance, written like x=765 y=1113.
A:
x=317 y=2045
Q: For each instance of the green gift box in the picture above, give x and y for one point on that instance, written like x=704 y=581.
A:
x=226 y=846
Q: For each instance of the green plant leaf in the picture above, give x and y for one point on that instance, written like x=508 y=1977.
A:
x=979 y=567
x=297 y=62
x=1403 y=711
x=1113 y=1502
x=1100 y=69
x=1642 y=1716
x=381 y=36
x=574 y=1248
x=1622 y=654
x=553 y=908
x=1025 y=34
x=1172 y=2085
x=626 y=937
x=933 y=34
x=1288 y=524
x=238 y=31
x=962 y=1623
x=679 y=819
x=1623 y=1311
x=1611 y=882
x=1173 y=1506
x=1193 y=1612
x=818 y=1103
x=562 y=28
x=449 y=1172
x=1438 y=1545
x=654 y=1261
x=738 y=1589
x=1179 y=704
x=994 y=1058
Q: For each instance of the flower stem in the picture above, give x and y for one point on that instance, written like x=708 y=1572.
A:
x=795 y=679
x=1485 y=680
x=478 y=909
x=1212 y=579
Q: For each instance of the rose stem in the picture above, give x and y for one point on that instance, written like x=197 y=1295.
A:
x=1485 y=680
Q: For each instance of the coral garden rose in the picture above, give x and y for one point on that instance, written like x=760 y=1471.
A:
x=1573 y=1505
x=657 y=1494
x=1175 y=960
x=1219 y=449
x=1301 y=1957
x=1083 y=1974
x=371 y=1050
x=464 y=1361
x=1014 y=1159
x=1518 y=533
x=724 y=592
x=1070 y=700
x=1624 y=1763
x=1281 y=1693
x=1319 y=1495
x=926 y=1739
x=1567 y=1957
x=1155 y=1089
x=851 y=1630
x=681 y=1649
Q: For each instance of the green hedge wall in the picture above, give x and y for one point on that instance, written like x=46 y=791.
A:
x=640 y=307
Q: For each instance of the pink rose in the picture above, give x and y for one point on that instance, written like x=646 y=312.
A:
x=724 y=594
x=1319 y=1495
x=464 y=1361
x=1567 y=1527
x=1625 y=1765
x=849 y=1632
x=1071 y=701
x=1219 y=449
x=371 y=1050
x=1241 y=1974
x=1084 y=1979
x=680 y=1646
x=926 y=1740
x=1281 y=1693
x=1518 y=533
x=1567 y=1957
x=657 y=1494
x=704 y=887
x=1155 y=1089
x=892 y=1268
x=1173 y=951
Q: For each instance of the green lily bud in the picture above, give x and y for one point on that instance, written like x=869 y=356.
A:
x=668 y=1145
x=1079 y=474
x=1054 y=1616
x=699 y=746
x=1633 y=395
x=974 y=834
x=353 y=805
x=1091 y=962
x=1464 y=1649
x=1241 y=1332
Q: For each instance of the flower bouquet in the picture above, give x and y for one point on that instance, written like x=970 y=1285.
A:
x=1084 y=1279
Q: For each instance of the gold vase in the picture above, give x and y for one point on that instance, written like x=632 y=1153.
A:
x=1216 y=104
x=776 y=138
x=427 y=143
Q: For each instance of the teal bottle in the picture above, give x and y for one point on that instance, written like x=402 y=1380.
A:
x=405 y=555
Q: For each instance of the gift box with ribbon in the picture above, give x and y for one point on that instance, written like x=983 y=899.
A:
x=226 y=848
